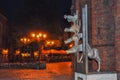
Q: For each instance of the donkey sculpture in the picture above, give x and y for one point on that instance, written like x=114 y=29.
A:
x=93 y=54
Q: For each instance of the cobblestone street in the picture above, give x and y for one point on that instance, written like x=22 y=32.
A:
x=53 y=71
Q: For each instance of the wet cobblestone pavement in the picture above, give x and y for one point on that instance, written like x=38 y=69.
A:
x=53 y=71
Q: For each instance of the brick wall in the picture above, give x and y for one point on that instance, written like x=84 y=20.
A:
x=117 y=34
x=105 y=33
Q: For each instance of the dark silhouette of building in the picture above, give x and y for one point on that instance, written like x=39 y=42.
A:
x=3 y=38
x=3 y=31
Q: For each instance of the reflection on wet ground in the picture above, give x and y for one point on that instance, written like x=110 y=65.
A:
x=53 y=71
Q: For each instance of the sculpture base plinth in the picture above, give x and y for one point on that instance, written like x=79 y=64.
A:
x=96 y=76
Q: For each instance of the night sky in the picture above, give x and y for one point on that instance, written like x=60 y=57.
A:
x=41 y=15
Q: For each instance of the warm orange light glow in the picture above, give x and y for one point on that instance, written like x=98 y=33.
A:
x=21 y=39
x=71 y=45
x=48 y=42
x=52 y=42
x=44 y=35
x=25 y=40
x=33 y=35
x=53 y=51
x=25 y=54
x=5 y=51
x=17 y=52
x=36 y=54
x=40 y=34
x=28 y=40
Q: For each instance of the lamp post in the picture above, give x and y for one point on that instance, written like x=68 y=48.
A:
x=50 y=44
x=39 y=38
x=34 y=37
x=5 y=55
x=25 y=41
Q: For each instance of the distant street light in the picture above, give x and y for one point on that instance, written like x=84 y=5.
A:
x=25 y=40
x=38 y=37
x=40 y=34
x=17 y=52
x=44 y=35
x=5 y=51
x=50 y=43
x=33 y=35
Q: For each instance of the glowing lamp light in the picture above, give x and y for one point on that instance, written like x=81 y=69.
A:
x=5 y=51
x=52 y=42
x=71 y=45
x=17 y=52
x=25 y=40
x=33 y=35
x=40 y=34
x=44 y=35
x=23 y=55
x=28 y=40
x=48 y=42
x=21 y=39
x=36 y=53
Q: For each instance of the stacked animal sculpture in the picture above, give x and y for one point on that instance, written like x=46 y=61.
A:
x=75 y=28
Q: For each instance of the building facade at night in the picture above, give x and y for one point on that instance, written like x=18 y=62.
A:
x=103 y=31
x=3 y=31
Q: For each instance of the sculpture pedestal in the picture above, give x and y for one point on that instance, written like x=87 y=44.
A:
x=96 y=76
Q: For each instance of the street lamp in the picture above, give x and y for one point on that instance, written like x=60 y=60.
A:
x=33 y=35
x=5 y=54
x=40 y=34
x=5 y=51
x=25 y=40
x=44 y=36
x=39 y=38
x=50 y=43
x=17 y=52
